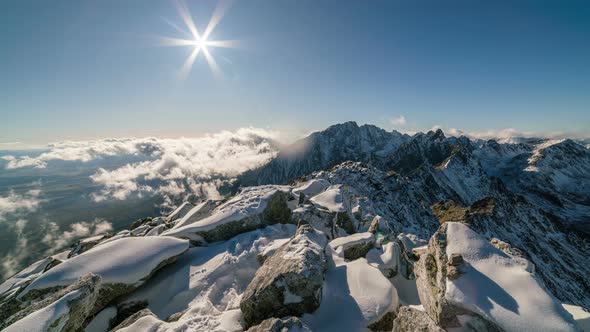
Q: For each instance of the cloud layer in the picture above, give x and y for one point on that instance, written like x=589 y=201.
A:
x=172 y=167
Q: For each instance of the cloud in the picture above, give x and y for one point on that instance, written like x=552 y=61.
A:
x=11 y=262
x=400 y=121
x=13 y=210
x=505 y=135
x=173 y=167
x=57 y=239
x=18 y=204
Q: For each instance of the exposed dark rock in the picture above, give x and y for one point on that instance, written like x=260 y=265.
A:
x=133 y=318
x=413 y=320
x=290 y=281
x=79 y=308
x=384 y=324
x=280 y=325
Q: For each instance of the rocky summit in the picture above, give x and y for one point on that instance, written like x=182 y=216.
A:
x=353 y=228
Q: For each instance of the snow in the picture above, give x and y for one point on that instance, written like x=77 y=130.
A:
x=271 y=248
x=180 y=211
x=42 y=319
x=126 y=261
x=331 y=199
x=411 y=241
x=147 y=323
x=513 y=298
x=581 y=316
x=250 y=201
x=352 y=240
x=355 y=294
x=156 y=230
x=311 y=187
x=100 y=323
x=31 y=272
x=208 y=282
x=197 y=213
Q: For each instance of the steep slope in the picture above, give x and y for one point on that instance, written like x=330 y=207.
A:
x=321 y=150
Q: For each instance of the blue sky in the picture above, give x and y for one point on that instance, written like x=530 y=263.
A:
x=89 y=69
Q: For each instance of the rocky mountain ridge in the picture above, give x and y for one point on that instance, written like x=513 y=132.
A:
x=361 y=229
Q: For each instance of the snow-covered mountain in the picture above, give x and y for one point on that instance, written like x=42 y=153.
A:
x=350 y=229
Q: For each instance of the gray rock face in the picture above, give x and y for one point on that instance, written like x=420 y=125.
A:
x=431 y=276
x=79 y=307
x=290 y=281
x=413 y=320
x=432 y=271
x=280 y=325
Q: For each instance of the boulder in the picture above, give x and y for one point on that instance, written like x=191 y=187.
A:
x=354 y=246
x=285 y=324
x=464 y=281
x=431 y=276
x=84 y=245
x=200 y=211
x=65 y=310
x=123 y=265
x=180 y=211
x=253 y=208
x=289 y=283
x=413 y=320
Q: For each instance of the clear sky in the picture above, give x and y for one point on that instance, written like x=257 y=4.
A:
x=82 y=69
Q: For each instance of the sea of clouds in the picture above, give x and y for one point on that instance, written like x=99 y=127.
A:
x=174 y=168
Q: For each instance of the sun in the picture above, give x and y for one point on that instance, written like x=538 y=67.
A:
x=199 y=42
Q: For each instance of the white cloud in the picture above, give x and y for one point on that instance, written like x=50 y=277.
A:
x=400 y=121
x=17 y=204
x=57 y=239
x=11 y=262
x=503 y=135
x=174 y=166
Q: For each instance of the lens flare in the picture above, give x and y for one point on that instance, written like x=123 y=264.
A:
x=199 y=43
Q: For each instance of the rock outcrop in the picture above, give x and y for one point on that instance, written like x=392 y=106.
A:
x=413 y=320
x=285 y=324
x=132 y=319
x=252 y=208
x=354 y=246
x=65 y=310
x=461 y=273
x=289 y=283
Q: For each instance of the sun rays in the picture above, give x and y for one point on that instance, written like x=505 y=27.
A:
x=199 y=42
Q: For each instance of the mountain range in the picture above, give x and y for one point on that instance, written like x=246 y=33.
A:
x=350 y=228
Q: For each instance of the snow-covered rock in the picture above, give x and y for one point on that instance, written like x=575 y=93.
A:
x=123 y=265
x=180 y=211
x=581 y=315
x=86 y=244
x=289 y=283
x=20 y=280
x=102 y=321
x=252 y=208
x=355 y=296
x=331 y=199
x=460 y=264
x=286 y=324
x=411 y=319
x=202 y=290
x=311 y=187
x=200 y=211
x=354 y=246
x=64 y=311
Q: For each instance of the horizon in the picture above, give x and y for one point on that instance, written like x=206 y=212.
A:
x=291 y=68
x=502 y=135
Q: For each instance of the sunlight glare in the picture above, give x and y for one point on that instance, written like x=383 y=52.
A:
x=200 y=43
